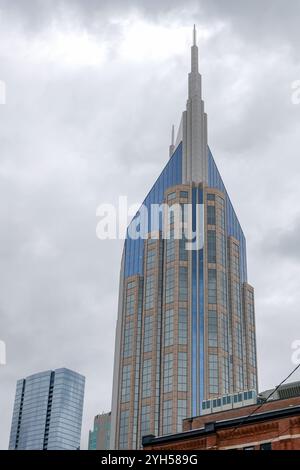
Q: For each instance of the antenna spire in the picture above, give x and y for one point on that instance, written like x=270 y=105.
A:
x=194 y=36
x=172 y=146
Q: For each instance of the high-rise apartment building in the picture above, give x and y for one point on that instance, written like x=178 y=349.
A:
x=186 y=327
x=99 y=437
x=47 y=411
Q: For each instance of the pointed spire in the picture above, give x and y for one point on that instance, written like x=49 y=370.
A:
x=194 y=36
x=194 y=52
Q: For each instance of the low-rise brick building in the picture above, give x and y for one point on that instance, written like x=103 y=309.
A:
x=275 y=425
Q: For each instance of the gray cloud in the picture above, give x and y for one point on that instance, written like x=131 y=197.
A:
x=73 y=136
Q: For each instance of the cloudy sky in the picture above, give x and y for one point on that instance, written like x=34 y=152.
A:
x=92 y=89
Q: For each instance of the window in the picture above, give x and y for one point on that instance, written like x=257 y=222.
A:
x=239 y=376
x=182 y=326
x=168 y=373
x=183 y=252
x=146 y=385
x=223 y=289
x=167 y=416
x=266 y=446
x=145 y=420
x=224 y=333
x=151 y=258
x=148 y=333
x=183 y=283
x=181 y=413
x=124 y=425
x=210 y=197
x=170 y=247
x=238 y=341
x=126 y=375
x=182 y=371
x=171 y=196
x=184 y=194
x=225 y=377
x=130 y=304
x=128 y=339
x=252 y=348
x=149 y=296
x=169 y=327
x=211 y=246
x=221 y=247
x=212 y=286
x=221 y=212
x=211 y=215
x=170 y=284
x=212 y=329
x=213 y=373
x=131 y=284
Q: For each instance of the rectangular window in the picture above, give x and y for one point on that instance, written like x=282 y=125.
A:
x=131 y=284
x=124 y=425
x=148 y=333
x=213 y=374
x=183 y=283
x=145 y=420
x=130 y=303
x=146 y=385
x=211 y=215
x=170 y=284
x=225 y=375
x=171 y=196
x=151 y=258
x=211 y=246
x=168 y=373
x=181 y=413
x=184 y=194
x=212 y=286
x=183 y=252
x=221 y=249
x=126 y=379
x=212 y=329
x=149 y=296
x=182 y=326
x=182 y=371
x=169 y=327
x=167 y=416
x=210 y=197
x=266 y=446
x=221 y=212
x=128 y=339
x=170 y=247
x=223 y=289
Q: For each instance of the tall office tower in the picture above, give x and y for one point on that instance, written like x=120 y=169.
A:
x=99 y=437
x=47 y=412
x=186 y=328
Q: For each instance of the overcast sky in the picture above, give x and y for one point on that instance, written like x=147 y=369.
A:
x=93 y=88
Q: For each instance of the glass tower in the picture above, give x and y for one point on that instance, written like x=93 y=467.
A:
x=47 y=412
x=99 y=437
x=186 y=326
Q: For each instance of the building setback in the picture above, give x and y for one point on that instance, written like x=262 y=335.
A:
x=47 y=412
x=99 y=437
x=186 y=324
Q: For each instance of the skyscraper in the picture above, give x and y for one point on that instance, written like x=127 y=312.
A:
x=47 y=411
x=186 y=328
x=99 y=437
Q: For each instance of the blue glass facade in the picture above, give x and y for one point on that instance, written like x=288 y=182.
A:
x=233 y=226
x=48 y=411
x=170 y=176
